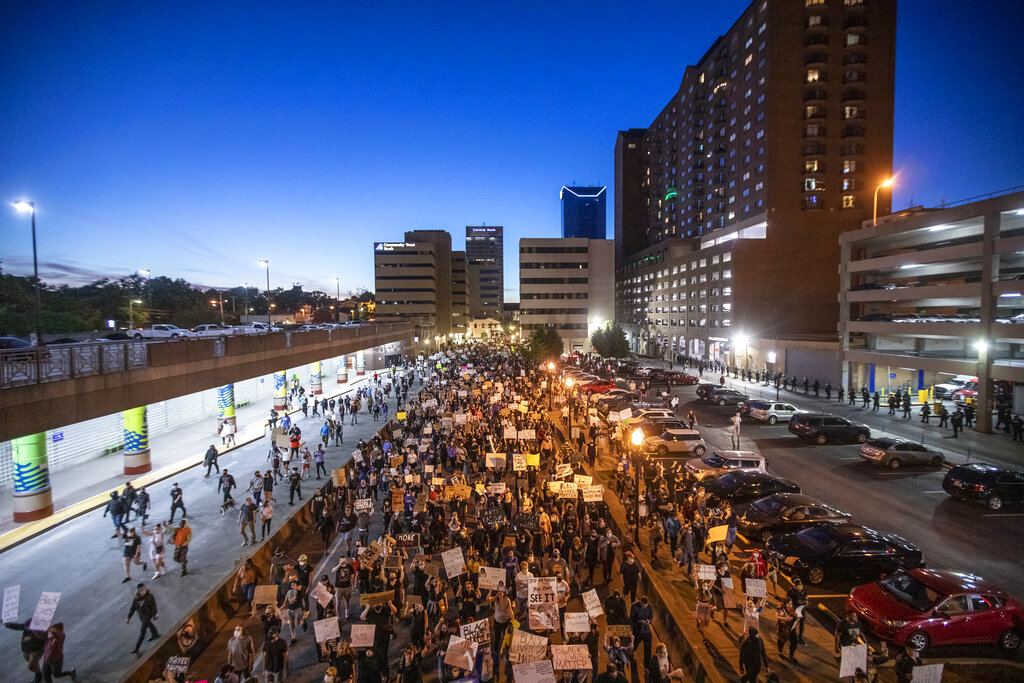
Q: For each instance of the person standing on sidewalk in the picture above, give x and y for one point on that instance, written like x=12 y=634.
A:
x=325 y=434
x=339 y=431
x=145 y=604
x=182 y=537
x=247 y=520
x=906 y=406
x=132 y=552
x=210 y=460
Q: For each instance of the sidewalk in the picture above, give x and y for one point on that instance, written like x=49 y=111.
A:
x=94 y=601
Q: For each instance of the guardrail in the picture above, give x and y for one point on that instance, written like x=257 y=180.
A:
x=37 y=365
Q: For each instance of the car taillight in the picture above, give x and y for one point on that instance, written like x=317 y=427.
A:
x=979 y=487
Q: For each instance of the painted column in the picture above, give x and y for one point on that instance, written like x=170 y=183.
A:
x=315 y=378
x=226 y=405
x=342 y=369
x=136 y=441
x=360 y=363
x=32 y=496
x=280 y=390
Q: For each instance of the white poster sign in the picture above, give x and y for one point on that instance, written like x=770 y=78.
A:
x=326 y=629
x=534 y=672
x=929 y=673
x=321 y=595
x=854 y=657
x=592 y=603
x=593 y=493
x=12 y=594
x=363 y=634
x=461 y=653
x=527 y=647
x=45 y=609
x=755 y=588
x=454 y=562
x=582 y=479
x=577 y=622
x=706 y=572
x=571 y=657
x=490 y=577
x=477 y=631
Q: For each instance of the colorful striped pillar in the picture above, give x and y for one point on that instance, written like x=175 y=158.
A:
x=342 y=369
x=136 y=441
x=280 y=391
x=316 y=380
x=360 y=363
x=32 y=496
x=226 y=404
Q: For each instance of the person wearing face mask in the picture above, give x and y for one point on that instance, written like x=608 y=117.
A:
x=502 y=612
x=630 y=571
x=659 y=669
x=241 y=653
x=275 y=658
x=607 y=546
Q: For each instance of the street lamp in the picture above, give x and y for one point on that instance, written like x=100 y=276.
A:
x=30 y=207
x=337 y=281
x=131 y=315
x=738 y=341
x=551 y=383
x=885 y=183
x=219 y=302
x=637 y=438
x=266 y=264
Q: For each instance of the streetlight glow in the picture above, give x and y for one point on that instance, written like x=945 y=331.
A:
x=637 y=437
x=551 y=366
x=885 y=183
x=981 y=346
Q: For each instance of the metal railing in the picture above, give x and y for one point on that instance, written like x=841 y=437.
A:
x=19 y=367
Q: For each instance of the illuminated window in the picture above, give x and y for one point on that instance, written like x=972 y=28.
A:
x=814 y=20
x=813 y=75
x=849 y=167
x=851 y=112
x=848 y=201
x=853 y=39
x=849 y=184
x=811 y=166
x=812 y=3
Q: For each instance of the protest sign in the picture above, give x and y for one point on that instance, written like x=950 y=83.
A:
x=362 y=635
x=527 y=647
x=461 y=653
x=706 y=572
x=282 y=441
x=376 y=598
x=477 y=631
x=496 y=489
x=396 y=460
x=462 y=394
x=624 y=632
x=527 y=434
x=544 y=616
x=12 y=594
x=541 y=590
x=853 y=657
x=400 y=415
x=577 y=622
x=533 y=459
x=554 y=486
x=397 y=500
x=716 y=534
x=530 y=522
x=494 y=460
x=392 y=562
x=321 y=595
x=338 y=477
x=460 y=418
x=562 y=471
x=929 y=673
x=571 y=657
x=45 y=608
x=755 y=588
x=625 y=414
x=178 y=664
x=592 y=603
x=454 y=562
x=490 y=577
x=518 y=462
x=568 y=490
x=593 y=493
x=508 y=433
x=326 y=629
x=265 y=595
x=363 y=504
x=582 y=479
x=729 y=593
x=534 y=672
x=492 y=516
x=370 y=555
x=407 y=540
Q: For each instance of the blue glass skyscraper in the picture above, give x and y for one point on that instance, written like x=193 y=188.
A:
x=583 y=212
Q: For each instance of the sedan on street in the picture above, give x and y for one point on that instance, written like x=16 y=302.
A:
x=784 y=513
x=894 y=453
x=744 y=486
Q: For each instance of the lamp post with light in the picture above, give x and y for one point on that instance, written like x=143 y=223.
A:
x=131 y=313
x=30 y=207
x=551 y=383
x=337 y=305
x=637 y=438
x=885 y=183
x=219 y=303
x=266 y=264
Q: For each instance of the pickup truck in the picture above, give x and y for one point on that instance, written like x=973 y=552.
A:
x=161 y=332
x=213 y=330
x=256 y=328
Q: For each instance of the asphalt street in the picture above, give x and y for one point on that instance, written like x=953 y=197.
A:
x=909 y=502
x=81 y=560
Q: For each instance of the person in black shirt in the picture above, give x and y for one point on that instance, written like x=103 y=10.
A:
x=849 y=631
x=275 y=659
x=145 y=604
x=905 y=663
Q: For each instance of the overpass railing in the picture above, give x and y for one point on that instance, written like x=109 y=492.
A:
x=19 y=367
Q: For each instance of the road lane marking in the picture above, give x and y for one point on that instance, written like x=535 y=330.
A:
x=939 y=491
x=1003 y=514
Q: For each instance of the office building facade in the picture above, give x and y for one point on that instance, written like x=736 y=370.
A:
x=567 y=283
x=932 y=296
x=730 y=204
x=584 y=212
x=415 y=280
x=486 y=262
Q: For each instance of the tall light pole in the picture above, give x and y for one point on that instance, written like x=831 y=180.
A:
x=219 y=302
x=885 y=183
x=337 y=304
x=637 y=438
x=551 y=383
x=30 y=207
x=266 y=264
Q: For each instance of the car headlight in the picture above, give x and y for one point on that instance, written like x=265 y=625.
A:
x=895 y=623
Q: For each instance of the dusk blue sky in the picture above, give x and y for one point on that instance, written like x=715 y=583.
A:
x=193 y=138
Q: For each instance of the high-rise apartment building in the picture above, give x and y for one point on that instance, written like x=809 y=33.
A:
x=730 y=204
x=484 y=245
x=462 y=293
x=566 y=283
x=416 y=280
x=583 y=212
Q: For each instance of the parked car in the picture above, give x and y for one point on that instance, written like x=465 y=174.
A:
x=925 y=607
x=772 y=412
x=115 y=336
x=598 y=386
x=162 y=331
x=14 y=343
x=847 y=551
x=896 y=452
x=996 y=486
x=680 y=378
x=946 y=389
x=726 y=397
x=258 y=328
x=213 y=330
x=650 y=413
x=822 y=427
x=720 y=462
x=784 y=513
x=703 y=390
x=656 y=426
x=743 y=486
x=675 y=442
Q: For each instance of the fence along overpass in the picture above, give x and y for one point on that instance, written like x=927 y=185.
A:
x=51 y=387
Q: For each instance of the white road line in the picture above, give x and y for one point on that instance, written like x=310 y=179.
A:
x=940 y=491
x=857 y=458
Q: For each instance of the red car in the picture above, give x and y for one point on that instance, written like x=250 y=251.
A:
x=680 y=378
x=598 y=386
x=924 y=607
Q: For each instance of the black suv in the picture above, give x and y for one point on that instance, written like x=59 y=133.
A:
x=743 y=486
x=989 y=483
x=822 y=427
